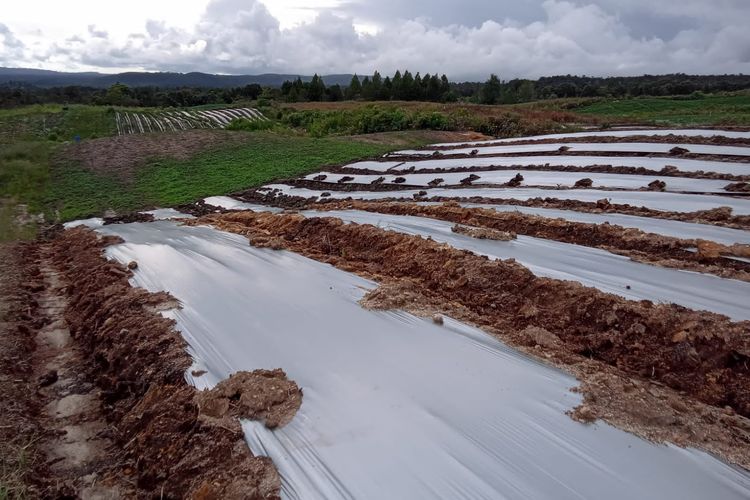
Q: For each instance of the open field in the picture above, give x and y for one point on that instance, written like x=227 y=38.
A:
x=709 y=110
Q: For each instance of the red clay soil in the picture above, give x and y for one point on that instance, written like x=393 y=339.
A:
x=169 y=447
x=639 y=245
x=700 y=358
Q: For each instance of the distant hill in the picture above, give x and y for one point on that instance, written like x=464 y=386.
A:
x=45 y=78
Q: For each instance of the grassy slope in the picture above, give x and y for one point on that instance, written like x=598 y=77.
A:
x=29 y=175
x=711 y=110
x=76 y=192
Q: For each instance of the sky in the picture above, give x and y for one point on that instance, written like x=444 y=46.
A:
x=465 y=39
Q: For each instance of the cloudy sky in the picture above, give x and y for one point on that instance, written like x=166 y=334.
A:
x=466 y=39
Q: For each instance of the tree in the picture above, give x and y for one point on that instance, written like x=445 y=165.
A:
x=491 y=90
x=316 y=89
x=407 y=86
x=118 y=95
x=355 y=88
x=396 y=86
x=334 y=93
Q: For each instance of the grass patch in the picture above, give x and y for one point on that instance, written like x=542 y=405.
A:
x=15 y=465
x=55 y=122
x=74 y=192
x=269 y=156
x=680 y=111
x=24 y=178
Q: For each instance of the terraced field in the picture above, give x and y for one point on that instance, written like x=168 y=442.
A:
x=161 y=121
x=472 y=323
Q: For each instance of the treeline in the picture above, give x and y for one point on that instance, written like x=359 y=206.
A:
x=495 y=91
x=400 y=87
x=12 y=95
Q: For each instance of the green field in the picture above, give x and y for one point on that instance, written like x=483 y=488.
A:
x=706 y=111
x=75 y=192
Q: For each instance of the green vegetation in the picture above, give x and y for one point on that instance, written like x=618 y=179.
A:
x=268 y=157
x=694 y=110
x=54 y=122
x=24 y=170
x=66 y=191
x=389 y=117
x=15 y=465
x=250 y=125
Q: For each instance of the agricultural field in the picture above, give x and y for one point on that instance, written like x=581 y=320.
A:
x=718 y=110
x=320 y=300
x=161 y=121
x=315 y=333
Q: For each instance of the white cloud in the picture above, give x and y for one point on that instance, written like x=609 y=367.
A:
x=574 y=36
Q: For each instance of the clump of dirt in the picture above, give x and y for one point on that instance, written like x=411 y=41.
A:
x=265 y=395
x=657 y=185
x=377 y=181
x=515 y=181
x=344 y=179
x=129 y=218
x=199 y=208
x=634 y=243
x=699 y=358
x=483 y=233
x=738 y=187
x=584 y=183
x=320 y=177
x=466 y=181
x=678 y=151
x=138 y=361
x=436 y=182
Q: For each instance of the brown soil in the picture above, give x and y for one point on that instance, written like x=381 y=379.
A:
x=699 y=358
x=93 y=390
x=634 y=243
x=264 y=395
x=484 y=233
x=721 y=216
x=22 y=464
x=674 y=153
x=119 y=156
x=668 y=171
x=659 y=139
x=129 y=218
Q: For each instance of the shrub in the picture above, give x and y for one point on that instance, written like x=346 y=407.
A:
x=249 y=125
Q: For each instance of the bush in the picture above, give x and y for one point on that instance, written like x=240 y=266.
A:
x=250 y=125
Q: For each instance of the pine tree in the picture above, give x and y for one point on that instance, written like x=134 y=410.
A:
x=491 y=90
x=355 y=88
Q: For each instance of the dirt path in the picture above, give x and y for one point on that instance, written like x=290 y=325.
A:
x=93 y=389
x=77 y=443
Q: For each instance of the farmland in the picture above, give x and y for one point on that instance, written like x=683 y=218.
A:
x=323 y=297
